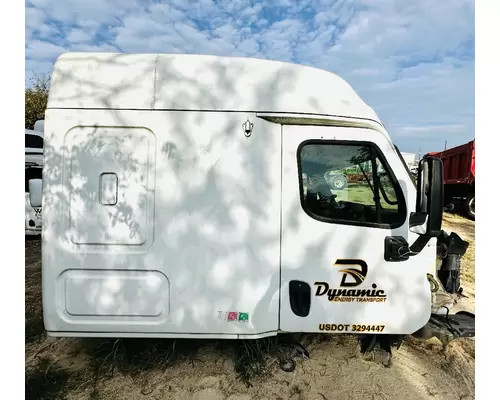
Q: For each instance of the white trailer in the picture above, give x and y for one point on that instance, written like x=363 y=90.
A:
x=186 y=196
x=410 y=158
x=33 y=164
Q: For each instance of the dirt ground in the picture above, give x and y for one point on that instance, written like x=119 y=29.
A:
x=209 y=370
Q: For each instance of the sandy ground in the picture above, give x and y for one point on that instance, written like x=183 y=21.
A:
x=80 y=369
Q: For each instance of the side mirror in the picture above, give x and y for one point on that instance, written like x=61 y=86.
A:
x=35 y=188
x=427 y=219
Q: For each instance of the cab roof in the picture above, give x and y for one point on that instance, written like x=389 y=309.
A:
x=202 y=83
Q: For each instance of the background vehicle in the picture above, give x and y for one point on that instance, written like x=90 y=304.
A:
x=459 y=177
x=33 y=165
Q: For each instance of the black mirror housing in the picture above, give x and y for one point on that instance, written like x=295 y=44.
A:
x=427 y=220
x=430 y=197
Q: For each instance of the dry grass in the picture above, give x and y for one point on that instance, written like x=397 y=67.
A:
x=362 y=194
x=34 y=329
x=45 y=380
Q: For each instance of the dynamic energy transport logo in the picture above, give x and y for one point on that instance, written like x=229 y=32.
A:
x=352 y=276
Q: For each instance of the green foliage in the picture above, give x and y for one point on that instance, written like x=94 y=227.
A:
x=35 y=97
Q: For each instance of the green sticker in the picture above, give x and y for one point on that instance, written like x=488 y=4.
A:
x=243 y=316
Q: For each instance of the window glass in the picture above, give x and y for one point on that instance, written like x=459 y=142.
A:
x=346 y=183
x=33 y=141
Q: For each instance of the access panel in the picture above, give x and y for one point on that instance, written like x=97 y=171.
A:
x=110 y=179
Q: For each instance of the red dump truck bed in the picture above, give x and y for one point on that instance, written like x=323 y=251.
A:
x=459 y=170
x=458 y=163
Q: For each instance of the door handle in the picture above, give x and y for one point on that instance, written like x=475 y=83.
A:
x=108 y=189
x=300 y=298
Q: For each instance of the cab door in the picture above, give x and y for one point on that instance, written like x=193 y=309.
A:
x=345 y=190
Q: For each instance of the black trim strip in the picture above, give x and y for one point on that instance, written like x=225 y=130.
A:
x=399 y=192
x=288 y=113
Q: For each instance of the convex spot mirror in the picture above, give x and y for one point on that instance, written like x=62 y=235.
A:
x=427 y=219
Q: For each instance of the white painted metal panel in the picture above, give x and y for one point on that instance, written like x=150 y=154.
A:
x=200 y=82
x=310 y=249
x=213 y=229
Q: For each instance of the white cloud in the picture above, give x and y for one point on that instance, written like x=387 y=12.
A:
x=412 y=61
x=79 y=36
x=35 y=18
x=42 y=51
x=431 y=129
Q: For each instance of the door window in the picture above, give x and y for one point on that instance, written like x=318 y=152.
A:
x=346 y=183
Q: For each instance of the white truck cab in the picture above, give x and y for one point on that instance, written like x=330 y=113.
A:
x=189 y=196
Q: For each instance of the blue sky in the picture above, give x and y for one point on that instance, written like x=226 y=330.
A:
x=413 y=62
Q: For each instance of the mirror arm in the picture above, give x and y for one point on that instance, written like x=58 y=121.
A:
x=419 y=244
